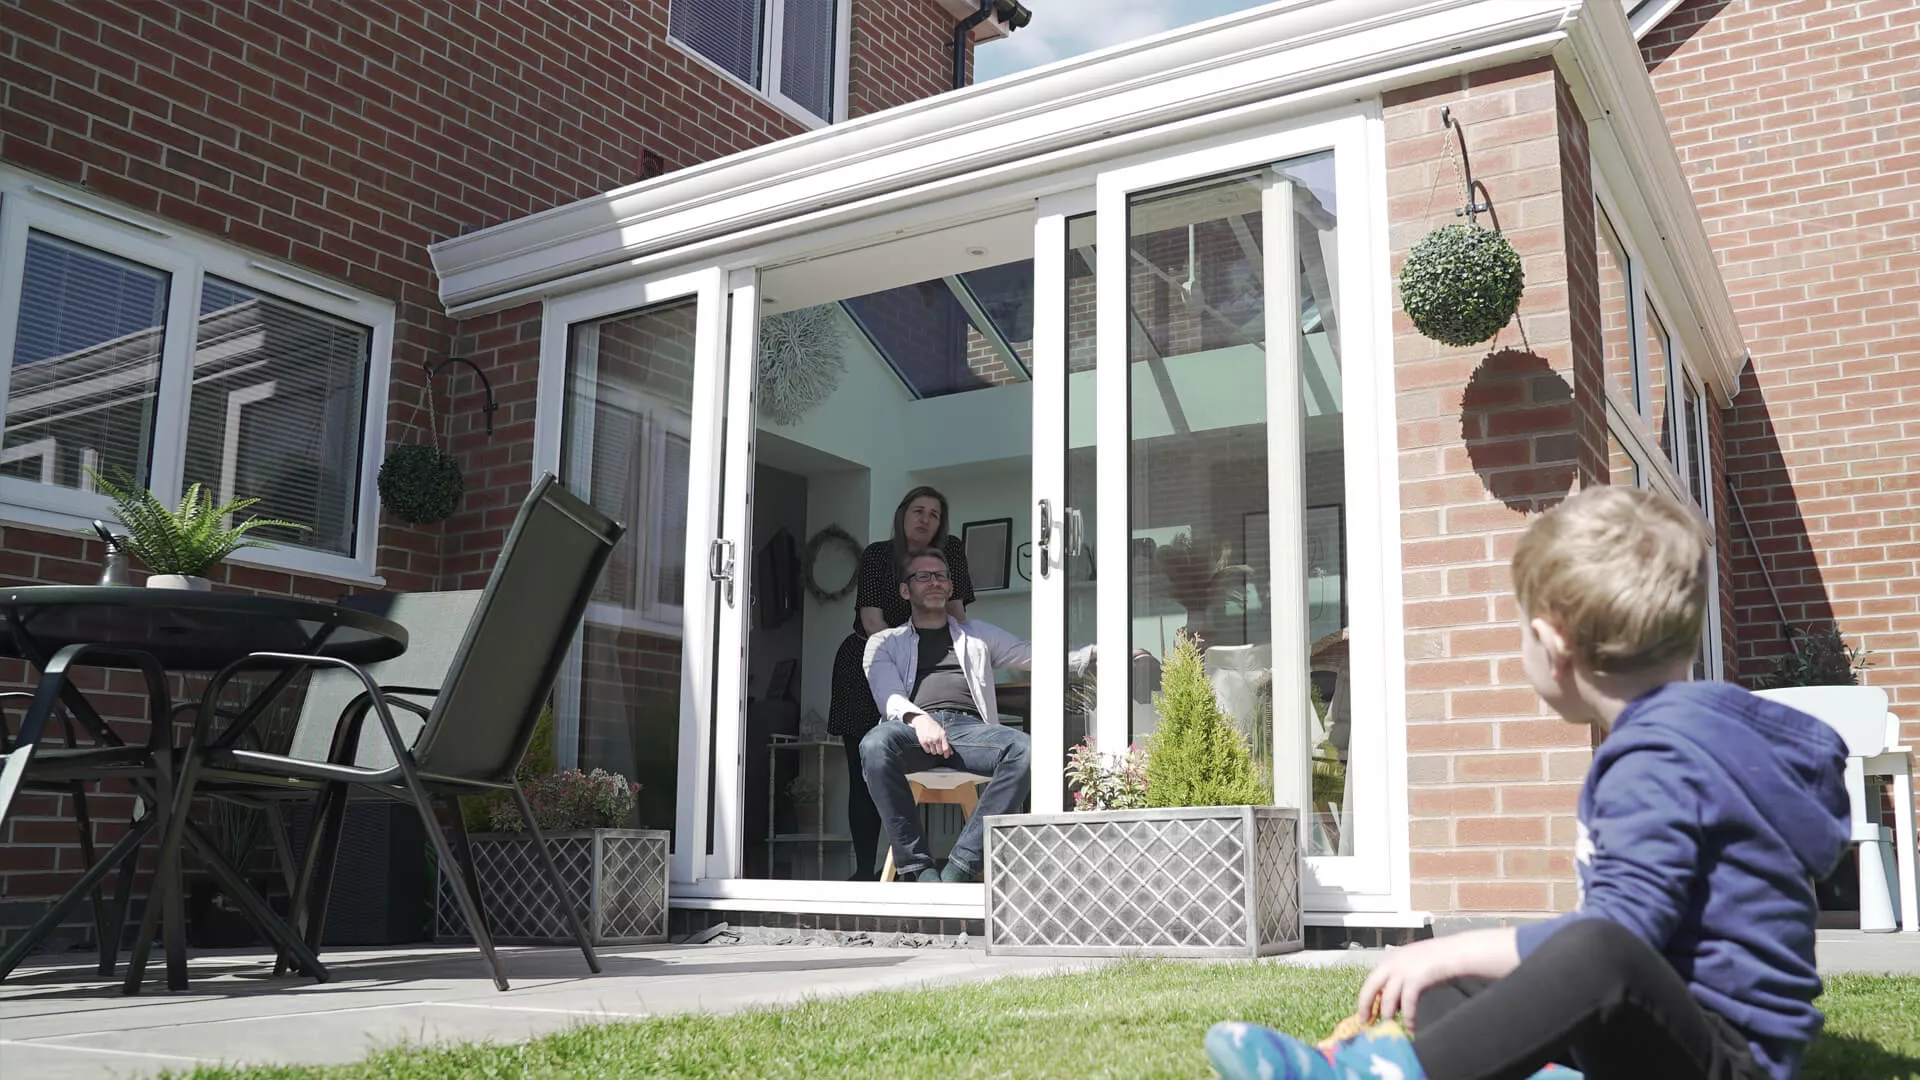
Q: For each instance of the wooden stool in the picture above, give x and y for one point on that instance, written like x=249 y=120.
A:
x=952 y=787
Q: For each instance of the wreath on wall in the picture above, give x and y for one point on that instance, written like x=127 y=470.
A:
x=1461 y=284
x=801 y=361
x=837 y=539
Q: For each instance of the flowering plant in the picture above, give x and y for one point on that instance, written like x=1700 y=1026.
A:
x=1100 y=785
x=571 y=800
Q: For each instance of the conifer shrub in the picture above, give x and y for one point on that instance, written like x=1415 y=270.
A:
x=1196 y=757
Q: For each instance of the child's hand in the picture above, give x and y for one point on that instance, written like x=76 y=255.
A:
x=1394 y=987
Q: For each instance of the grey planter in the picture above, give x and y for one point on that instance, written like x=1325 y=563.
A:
x=1212 y=881
x=618 y=877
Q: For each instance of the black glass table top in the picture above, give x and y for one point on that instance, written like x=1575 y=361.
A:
x=188 y=631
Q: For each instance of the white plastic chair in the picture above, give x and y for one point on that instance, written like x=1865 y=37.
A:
x=1872 y=735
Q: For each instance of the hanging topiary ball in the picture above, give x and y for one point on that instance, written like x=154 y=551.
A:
x=421 y=484
x=1461 y=284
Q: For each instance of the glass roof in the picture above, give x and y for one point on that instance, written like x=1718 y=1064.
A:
x=952 y=334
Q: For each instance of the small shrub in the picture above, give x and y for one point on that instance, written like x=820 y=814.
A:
x=1818 y=658
x=1196 y=757
x=420 y=484
x=1100 y=785
x=572 y=800
x=188 y=541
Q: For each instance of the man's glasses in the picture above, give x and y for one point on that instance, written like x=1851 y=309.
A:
x=922 y=577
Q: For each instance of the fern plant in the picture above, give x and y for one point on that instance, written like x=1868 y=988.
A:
x=187 y=541
x=1196 y=757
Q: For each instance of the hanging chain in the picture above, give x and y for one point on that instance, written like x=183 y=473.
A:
x=433 y=415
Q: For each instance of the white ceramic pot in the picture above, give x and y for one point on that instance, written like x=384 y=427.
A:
x=179 y=581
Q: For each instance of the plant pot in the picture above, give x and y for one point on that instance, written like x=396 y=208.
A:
x=1203 y=881
x=618 y=878
x=179 y=581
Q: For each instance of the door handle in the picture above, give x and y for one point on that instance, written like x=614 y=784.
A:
x=1044 y=548
x=720 y=565
x=1076 y=532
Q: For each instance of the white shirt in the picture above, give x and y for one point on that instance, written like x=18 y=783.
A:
x=893 y=659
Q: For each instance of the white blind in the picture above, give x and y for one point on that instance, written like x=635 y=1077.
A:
x=727 y=32
x=277 y=411
x=85 y=365
x=807 y=41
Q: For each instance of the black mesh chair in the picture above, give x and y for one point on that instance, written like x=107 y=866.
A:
x=473 y=734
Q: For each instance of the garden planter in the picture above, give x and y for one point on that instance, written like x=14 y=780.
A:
x=618 y=878
x=180 y=581
x=1210 y=881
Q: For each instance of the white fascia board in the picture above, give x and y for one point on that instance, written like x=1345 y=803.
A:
x=1269 y=53
x=989 y=28
x=1634 y=149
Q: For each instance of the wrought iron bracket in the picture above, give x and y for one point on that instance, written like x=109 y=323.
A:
x=1472 y=210
x=433 y=369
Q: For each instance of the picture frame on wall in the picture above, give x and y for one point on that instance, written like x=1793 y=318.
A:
x=989 y=546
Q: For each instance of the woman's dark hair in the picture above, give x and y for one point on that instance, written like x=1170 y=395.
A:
x=900 y=524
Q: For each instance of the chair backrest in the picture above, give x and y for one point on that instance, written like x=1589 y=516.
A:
x=1858 y=713
x=435 y=622
x=521 y=629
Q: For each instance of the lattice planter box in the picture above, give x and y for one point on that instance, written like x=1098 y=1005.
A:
x=1215 y=881
x=618 y=878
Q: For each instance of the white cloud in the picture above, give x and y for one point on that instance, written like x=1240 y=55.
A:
x=1063 y=28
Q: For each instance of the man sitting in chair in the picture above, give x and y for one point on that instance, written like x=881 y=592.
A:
x=933 y=680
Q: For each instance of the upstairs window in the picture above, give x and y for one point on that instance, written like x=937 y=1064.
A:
x=792 y=51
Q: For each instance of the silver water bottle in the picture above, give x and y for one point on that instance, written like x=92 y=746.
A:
x=113 y=571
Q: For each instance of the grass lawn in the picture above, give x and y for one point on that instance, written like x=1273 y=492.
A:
x=1139 y=1019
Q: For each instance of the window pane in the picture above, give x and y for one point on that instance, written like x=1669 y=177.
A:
x=727 y=32
x=1656 y=410
x=1200 y=520
x=277 y=413
x=624 y=448
x=927 y=335
x=1082 y=517
x=86 y=365
x=807 y=40
x=1696 y=444
x=1616 y=333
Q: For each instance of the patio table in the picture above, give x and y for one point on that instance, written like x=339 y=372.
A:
x=172 y=632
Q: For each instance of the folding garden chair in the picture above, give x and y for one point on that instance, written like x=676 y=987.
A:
x=473 y=733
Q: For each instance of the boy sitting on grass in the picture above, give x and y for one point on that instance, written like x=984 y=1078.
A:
x=1705 y=818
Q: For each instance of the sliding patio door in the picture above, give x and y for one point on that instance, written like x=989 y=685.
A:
x=1209 y=436
x=633 y=384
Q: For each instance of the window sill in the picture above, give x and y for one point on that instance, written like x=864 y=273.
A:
x=297 y=563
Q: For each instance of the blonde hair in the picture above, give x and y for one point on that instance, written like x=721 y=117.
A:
x=1622 y=573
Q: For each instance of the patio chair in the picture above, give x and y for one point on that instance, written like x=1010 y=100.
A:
x=472 y=735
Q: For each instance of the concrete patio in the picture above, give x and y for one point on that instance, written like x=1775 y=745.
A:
x=59 y=1021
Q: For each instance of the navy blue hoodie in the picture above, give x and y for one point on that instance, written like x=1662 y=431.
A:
x=1705 y=819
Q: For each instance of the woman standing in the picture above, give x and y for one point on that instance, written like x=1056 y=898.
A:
x=920 y=521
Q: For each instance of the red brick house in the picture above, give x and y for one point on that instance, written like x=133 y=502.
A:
x=1157 y=279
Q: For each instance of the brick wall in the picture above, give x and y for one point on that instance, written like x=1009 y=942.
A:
x=345 y=138
x=1490 y=435
x=1799 y=128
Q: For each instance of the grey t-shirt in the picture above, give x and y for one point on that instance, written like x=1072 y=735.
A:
x=938 y=685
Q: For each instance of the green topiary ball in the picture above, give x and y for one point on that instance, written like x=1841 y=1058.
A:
x=421 y=484
x=1461 y=284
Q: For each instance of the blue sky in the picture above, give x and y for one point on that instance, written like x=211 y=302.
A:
x=1063 y=28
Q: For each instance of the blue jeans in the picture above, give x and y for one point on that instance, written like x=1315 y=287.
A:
x=890 y=751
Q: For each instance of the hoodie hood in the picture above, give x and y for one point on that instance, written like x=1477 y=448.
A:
x=1789 y=767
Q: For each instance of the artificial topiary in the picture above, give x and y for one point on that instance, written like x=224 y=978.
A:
x=1196 y=757
x=1461 y=284
x=421 y=484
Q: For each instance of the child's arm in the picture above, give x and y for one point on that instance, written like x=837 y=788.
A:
x=1642 y=843
x=1396 y=984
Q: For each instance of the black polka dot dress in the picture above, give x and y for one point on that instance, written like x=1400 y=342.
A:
x=852 y=710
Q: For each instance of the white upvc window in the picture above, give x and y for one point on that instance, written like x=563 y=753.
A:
x=134 y=349
x=1657 y=422
x=792 y=52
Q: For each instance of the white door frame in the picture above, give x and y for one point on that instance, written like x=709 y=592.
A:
x=707 y=287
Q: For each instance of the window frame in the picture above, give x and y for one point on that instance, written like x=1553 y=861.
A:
x=773 y=20
x=32 y=205
x=647 y=612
